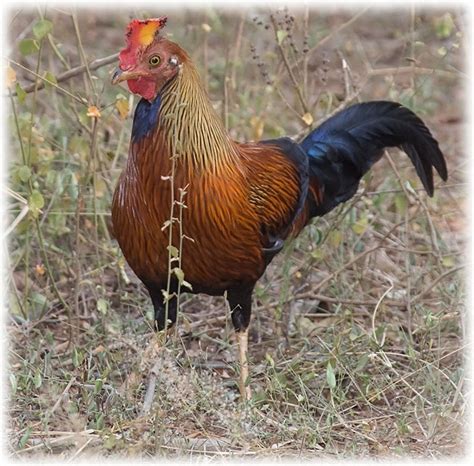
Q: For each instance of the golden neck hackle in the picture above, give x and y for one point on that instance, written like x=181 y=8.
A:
x=193 y=130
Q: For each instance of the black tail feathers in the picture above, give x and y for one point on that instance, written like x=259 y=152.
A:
x=344 y=148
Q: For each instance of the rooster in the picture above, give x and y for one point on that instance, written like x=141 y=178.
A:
x=243 y=200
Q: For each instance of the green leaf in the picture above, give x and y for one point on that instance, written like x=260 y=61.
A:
x=37 y=379
x=362 y=362
x=166 y=224
x=21 y=94
x=51 y=78
x=173 y=251
x=102 y=306
x=318 y=253
x=98 y=385
x=360 y=226
x=83 y=118
x=110 y=442
x=77 y=357
x=28 y=46
x=38 y=301
x=270 y=360
x=24 y=438
x=187 y=285
x=448 y=261
x=335 y=238
x=13 y=383
x=41 y=28
x=281 y=36
x=282 y=379
x=179 y=274
x=36 y=201
x=72 y=184
x=318 y=236
x=24 y=173
x=444 y=26
x=330 y=376
x=442 y=51
x=354 y=334
x=401 y=203
x=167 y=296
x=379 y=331
x=99 y=421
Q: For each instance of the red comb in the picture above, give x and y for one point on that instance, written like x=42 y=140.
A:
x=140 y=33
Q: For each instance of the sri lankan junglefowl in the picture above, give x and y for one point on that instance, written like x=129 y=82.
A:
x=242 y=200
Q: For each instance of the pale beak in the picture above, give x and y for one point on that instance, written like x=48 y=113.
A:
x=120 y=75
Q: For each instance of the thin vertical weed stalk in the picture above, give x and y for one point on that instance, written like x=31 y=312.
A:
x=26 y=157
x=175 y=273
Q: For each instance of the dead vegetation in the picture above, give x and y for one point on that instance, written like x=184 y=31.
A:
x=358 y=331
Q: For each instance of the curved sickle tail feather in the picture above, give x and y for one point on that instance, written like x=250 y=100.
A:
x=343 y=149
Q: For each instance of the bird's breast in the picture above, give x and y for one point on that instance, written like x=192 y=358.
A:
x=214 y=227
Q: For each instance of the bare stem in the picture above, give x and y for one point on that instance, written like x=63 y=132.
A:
x=73 y=72
x=288 y=66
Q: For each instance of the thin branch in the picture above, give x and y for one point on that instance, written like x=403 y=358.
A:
x=93 y=65
x=336 y=300
x=357 y=258
x=44 y=80
x=82 y=53
x=435 y=282
x=150 y=390
x=416 y=70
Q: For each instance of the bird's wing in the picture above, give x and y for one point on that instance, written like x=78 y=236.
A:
x=278 y=184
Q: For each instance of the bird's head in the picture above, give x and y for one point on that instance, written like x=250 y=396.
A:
x=149 y=61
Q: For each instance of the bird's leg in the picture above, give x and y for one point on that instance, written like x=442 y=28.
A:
x=240 y=301
x=242 y=338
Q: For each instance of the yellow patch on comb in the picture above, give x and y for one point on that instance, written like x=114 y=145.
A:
x=147 y=33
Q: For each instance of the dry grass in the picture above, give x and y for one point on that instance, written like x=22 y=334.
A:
x=358 y=333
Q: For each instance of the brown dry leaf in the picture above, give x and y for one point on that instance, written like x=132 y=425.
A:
x=308 y=119
x=11 y=76
x=99 y=349
x=93 y=112
x=123 y=108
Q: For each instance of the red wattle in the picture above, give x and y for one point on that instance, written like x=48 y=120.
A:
x=143 y=87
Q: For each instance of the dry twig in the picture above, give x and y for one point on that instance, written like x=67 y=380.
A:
x=92 y=66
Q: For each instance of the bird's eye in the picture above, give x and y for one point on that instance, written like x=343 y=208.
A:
x=154 y=60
